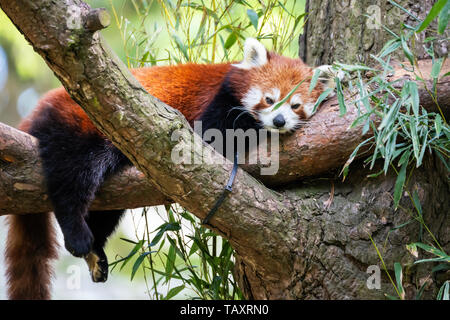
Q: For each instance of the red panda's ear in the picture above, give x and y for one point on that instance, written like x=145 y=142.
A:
x=255 y=55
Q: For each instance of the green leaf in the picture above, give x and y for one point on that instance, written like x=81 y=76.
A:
x=438 y=125
x=232 y=38
x=253 y=16
x=414 y=137
x=321 y=98
x=173 y=292
x=137 y=263
x=443 y=18
x=436 y=68
x=203 y=8
x=314 y=79
x=353 y=67
x=407 y=51
x=170 y=262
x=399 y=279
x=430 y=249
x=390 y=116
x=444 y=291
x=390 y=47
x=416 y=202
x=353 y=156
x=414 y=92
x=399 y=184
x=340 y=97
x=437 y=7
x=279 y=104
x=446 y=259
x=440 y=267
x=125 y=260
x=422 y=150
x=162 y=229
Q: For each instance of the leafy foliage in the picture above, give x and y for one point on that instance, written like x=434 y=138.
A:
x=403 y=131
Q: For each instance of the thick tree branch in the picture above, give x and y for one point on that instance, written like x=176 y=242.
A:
x=22 y=185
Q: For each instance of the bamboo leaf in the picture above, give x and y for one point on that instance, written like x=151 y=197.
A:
x=414 y=92
x=399 y=279
x=175 y=226
x=437 y=7
x=398 y=189
x=173 y=292
x=314 y=79
x=279 y=104
x=138 y=263
x=232 y=38
x=438 y=125
x=170 y=262
x=180 y=45
x=253 y=16
x=407 y=51
x=444 y=291
x=340 y=97
x=436 y=68
x=321 y=98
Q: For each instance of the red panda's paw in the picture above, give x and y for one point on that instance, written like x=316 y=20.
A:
x=328 y=75
x=98 y=265
x=79 y=239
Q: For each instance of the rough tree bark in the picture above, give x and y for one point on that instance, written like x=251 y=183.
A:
x=339 y=31
x=310 y=240
x=349 y=31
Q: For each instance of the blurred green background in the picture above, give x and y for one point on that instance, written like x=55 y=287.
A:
x=142 y=33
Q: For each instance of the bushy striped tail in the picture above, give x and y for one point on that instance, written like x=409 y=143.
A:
x=31 y=246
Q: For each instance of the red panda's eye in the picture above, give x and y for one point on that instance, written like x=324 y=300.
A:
x=295 y=106
x=269 y=100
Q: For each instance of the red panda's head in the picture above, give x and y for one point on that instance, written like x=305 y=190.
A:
x=263 y=78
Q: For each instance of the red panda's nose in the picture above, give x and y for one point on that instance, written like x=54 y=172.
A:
x=279 y=121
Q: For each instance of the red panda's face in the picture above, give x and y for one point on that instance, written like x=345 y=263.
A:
x=269 y=78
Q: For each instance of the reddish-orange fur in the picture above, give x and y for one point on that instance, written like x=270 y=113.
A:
x=29 y=255
x=188 y=88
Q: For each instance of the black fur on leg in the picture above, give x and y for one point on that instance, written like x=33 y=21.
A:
x=75 y=164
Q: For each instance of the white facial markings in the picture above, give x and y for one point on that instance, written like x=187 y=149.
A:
x=296 y=99
x=252 y=98
x=275 y=94
x=308 y=109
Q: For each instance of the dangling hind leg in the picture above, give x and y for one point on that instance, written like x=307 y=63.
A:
x=102 y=225
x=75 y=165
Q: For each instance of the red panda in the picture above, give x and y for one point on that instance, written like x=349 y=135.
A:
x=77 y=158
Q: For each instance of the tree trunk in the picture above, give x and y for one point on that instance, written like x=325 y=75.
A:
x=348 y=31
x=334 y=246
